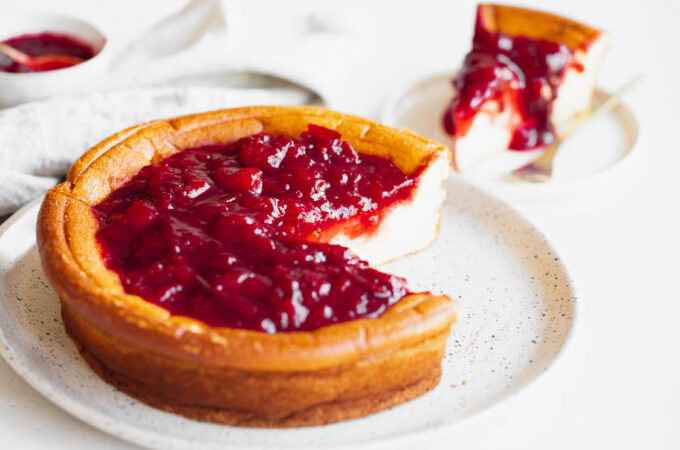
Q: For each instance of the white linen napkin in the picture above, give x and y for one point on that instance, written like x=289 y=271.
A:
x=321 y=52
x=39 y=141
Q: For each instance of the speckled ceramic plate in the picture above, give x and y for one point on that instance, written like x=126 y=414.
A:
x=600 y=155
x=518 y=313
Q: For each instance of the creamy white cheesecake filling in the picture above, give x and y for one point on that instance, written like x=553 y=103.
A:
x=407 y=227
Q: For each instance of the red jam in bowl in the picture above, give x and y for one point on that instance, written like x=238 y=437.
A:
x=234 y=235
x=526 y=72
x=41 y=44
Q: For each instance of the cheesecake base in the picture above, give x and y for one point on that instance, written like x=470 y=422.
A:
x=317 y=414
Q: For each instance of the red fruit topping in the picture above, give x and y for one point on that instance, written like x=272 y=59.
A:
x=223 y=234
x=62 y=46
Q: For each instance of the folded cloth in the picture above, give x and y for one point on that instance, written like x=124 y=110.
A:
x=39 y=141
x=318 y=51
x=208 y=39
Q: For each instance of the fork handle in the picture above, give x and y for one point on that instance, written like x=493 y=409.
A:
x=607 y=105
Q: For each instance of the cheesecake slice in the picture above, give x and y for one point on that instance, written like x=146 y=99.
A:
x=528 y=75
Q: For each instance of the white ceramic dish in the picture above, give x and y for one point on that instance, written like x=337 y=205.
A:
x=18 y=88
x=518 y=301
x=601 y=154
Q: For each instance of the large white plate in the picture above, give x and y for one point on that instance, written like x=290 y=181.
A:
x=518 y=313
x=600 y=155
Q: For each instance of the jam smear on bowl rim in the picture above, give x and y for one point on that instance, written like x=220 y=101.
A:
x=45 y=43
x=237 y=235
x=514 y=70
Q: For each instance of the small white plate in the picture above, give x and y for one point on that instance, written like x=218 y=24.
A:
x=599 y=155
x=518 y=304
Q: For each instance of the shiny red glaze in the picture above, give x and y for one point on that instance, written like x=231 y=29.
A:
x=230 y=235
x=42 y=44
x=516 y=69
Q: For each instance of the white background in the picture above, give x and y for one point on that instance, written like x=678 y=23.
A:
x=618 y=384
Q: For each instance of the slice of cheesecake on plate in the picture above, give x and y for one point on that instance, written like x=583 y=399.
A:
x=528 y=75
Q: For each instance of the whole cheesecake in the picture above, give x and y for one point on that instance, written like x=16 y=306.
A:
x=528 y=75
x=219 y=265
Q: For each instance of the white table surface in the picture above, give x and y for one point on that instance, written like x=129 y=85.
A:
x=617 y=385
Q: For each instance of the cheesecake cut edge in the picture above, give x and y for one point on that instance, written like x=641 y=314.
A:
x=407 y=227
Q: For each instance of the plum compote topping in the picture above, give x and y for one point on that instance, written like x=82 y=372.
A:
x=47 y=43
x=236 y=235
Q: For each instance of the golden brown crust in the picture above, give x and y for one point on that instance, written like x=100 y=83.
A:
x=291 y=398
x=181 y=361
x=517 y=21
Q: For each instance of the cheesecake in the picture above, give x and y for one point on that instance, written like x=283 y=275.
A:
x=528 y=75
x=221 y=265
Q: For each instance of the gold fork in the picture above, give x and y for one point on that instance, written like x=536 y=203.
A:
x=540 y=170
